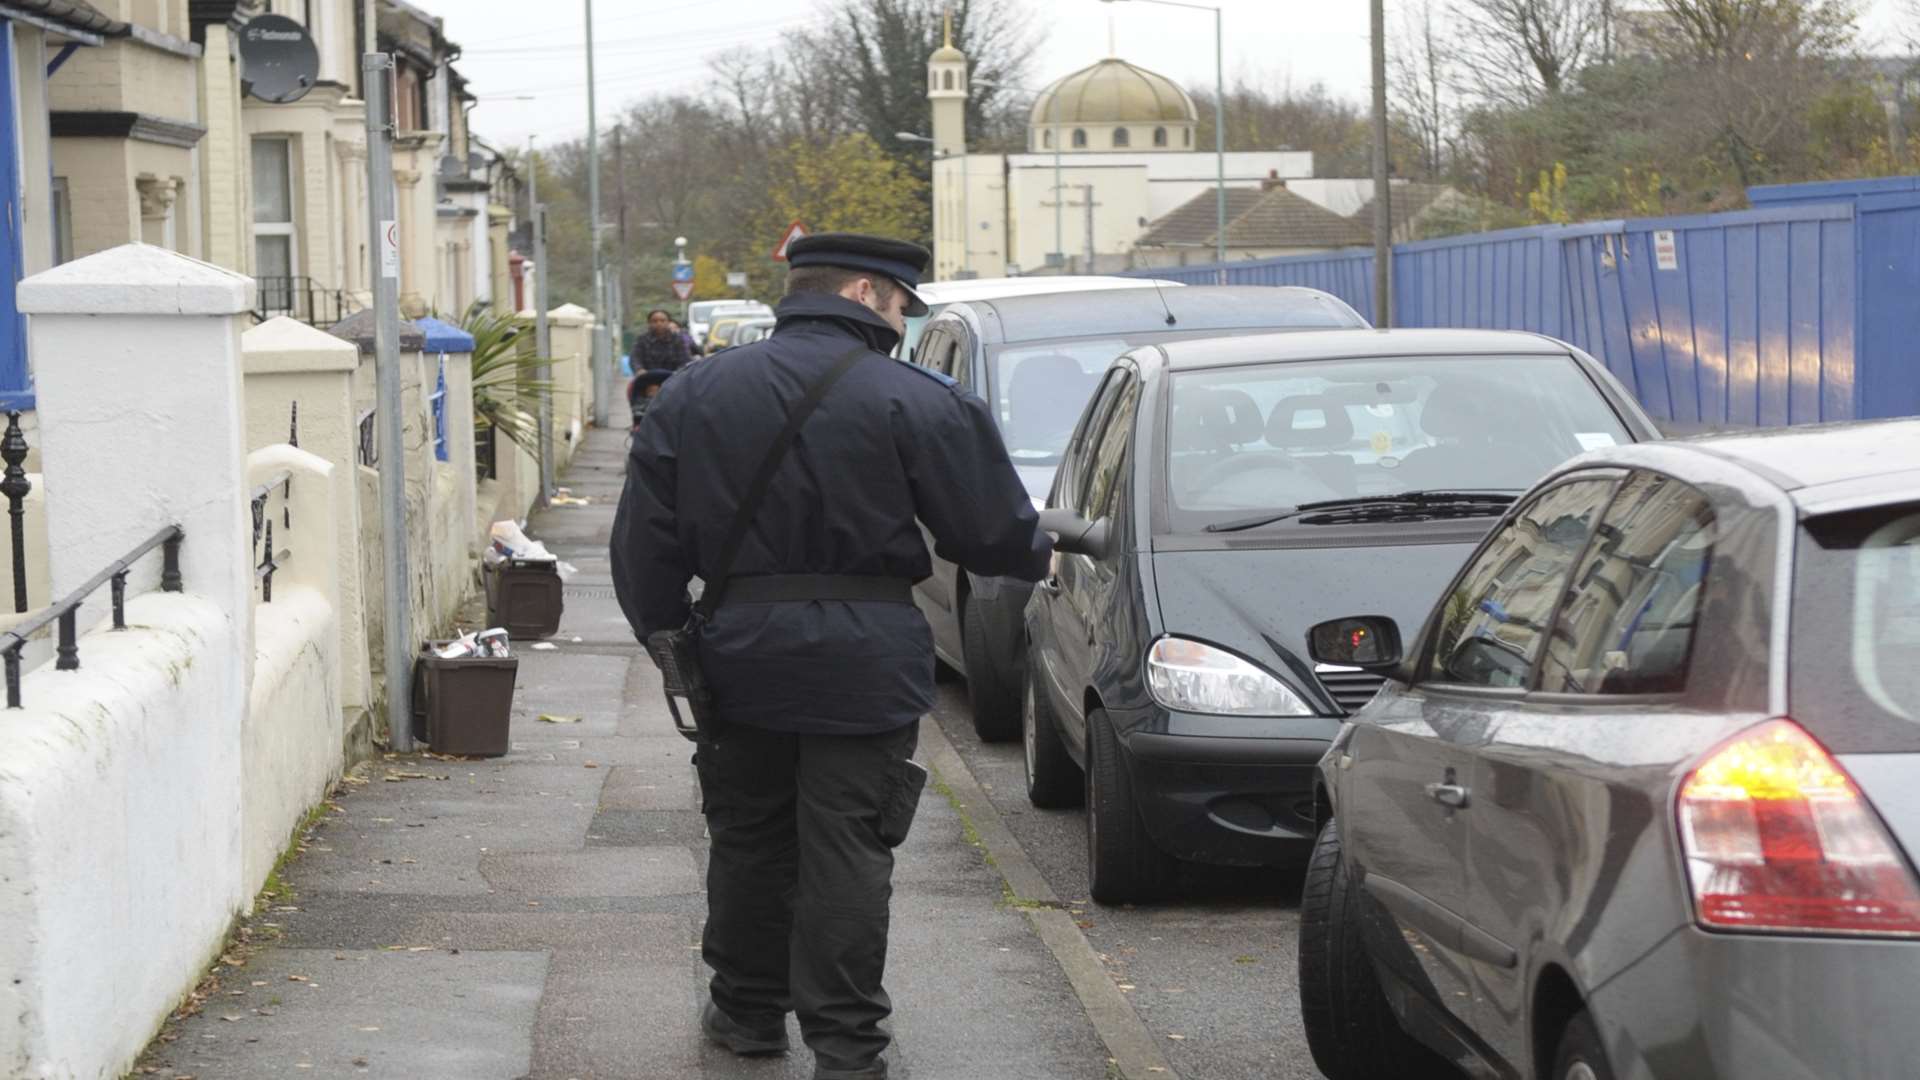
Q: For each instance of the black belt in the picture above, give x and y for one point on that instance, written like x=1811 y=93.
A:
x=780 y=588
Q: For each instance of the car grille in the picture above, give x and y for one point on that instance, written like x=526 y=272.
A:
x=1351 y=688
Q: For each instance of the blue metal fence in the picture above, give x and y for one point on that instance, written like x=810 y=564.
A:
x=1803 y=309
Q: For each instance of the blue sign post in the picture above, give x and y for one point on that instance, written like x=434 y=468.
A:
x=683 y=279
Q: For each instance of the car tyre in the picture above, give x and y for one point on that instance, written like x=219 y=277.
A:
x=1053 y=781
x=1123 y=863
x=1580 y=1055
x=994 y=693
x=1351 y=1029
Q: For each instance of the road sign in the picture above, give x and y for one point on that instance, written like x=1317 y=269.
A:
x=736 y=279
x=683 y=271
x=683 y=289
x=794 y=232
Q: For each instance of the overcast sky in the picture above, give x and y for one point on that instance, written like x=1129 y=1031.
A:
x=652 y=46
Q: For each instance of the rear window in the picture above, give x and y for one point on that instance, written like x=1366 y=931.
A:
x=1855 y=670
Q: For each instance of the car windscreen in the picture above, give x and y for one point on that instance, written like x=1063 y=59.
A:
x=1268 y=438
x=1855 y=672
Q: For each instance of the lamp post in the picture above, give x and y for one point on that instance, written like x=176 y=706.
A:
x=966 y=224
x=1219 y=124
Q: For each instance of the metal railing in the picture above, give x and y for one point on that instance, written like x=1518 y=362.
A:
x=369 y=443
x=67 y=651
x=15 y=486
x=271 y=560
x=302 y=298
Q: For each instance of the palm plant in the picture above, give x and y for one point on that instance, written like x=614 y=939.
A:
x=507 y=393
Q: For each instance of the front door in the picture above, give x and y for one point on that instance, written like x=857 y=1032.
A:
x=1409 y=795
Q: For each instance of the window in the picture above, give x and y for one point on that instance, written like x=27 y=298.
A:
x=1856 y=627
x=1079 y=138
x=1075 y=462
x=946 y=80
x=1627 y=626
x=62 y=221
x=1039 y=390
x=273 y=228
x=1186 y=137
x=1497 y=614
x=1106 y=462
x=1159 y=136
x=1046 y=139
x=935 y=351
x=1122 y=137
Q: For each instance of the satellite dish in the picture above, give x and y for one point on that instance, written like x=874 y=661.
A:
x=278 y=62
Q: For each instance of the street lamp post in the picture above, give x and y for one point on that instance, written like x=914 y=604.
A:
x=1219 y=125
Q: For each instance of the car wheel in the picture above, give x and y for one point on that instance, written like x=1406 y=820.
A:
x=1053 y=780
x=1351 y=1029
x=1123 y=863
x=993 y=691
x=1580 y=1056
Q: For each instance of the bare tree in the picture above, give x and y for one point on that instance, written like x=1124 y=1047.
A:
x=1515 y=51
x=1420 y=81
x=1750 y=29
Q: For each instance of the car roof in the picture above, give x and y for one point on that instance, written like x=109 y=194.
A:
x=1263 y=348
x=1828 y=466
x=948 y=292
x=1110 y=312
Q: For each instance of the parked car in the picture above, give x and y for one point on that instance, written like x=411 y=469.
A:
x=1217 y=499
x=747 y=332
x=701 y=313
x=938 y=294
x=1036 y=360
x=725 y=325
x=1639 y=799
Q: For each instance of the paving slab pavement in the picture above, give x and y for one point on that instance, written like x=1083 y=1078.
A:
x=538 y=916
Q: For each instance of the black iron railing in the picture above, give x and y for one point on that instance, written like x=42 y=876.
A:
x=15 y=486
x=302 y=298
x=486 y=447
x=67 y=651
x=271 y=560
x=369 y=445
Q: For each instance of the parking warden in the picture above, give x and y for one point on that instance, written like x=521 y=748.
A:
x=820 y=665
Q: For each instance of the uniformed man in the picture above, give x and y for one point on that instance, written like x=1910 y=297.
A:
x=808 y=786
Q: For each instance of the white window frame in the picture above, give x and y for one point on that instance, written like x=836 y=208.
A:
x=289 y=228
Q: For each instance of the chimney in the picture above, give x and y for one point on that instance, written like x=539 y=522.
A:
x=1272 y=180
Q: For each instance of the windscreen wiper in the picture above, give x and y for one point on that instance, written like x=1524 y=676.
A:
x=1407 y=505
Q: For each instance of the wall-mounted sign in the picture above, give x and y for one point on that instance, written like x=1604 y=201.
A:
x=1666 y=253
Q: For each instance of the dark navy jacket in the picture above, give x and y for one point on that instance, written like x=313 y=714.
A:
x=890 y=443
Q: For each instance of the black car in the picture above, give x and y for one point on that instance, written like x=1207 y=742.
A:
x=1218 y=498
x=1036 y=360
x=1639 y=801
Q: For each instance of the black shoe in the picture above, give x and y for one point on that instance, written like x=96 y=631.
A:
x=741 y=1039
x=875 y=1071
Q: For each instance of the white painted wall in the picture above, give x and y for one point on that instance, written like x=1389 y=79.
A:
x=120 y=806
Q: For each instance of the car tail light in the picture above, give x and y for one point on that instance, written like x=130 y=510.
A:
x=1778 y=838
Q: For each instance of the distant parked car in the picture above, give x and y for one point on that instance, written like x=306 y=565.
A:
x=747 y=332
x=1036 y=360
x=1640 y=799
x=938 y=294
x=1221 y=496
x=702 y=313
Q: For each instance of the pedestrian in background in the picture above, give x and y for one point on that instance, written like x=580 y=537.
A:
x=818 y=662
x=660 y=349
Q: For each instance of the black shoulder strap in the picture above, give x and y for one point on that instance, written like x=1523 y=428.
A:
x=757 y=490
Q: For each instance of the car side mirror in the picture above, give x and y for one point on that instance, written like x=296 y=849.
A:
x=1368 y=642
x=1075 y=535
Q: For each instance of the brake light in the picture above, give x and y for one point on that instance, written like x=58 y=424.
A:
x=1778 y=838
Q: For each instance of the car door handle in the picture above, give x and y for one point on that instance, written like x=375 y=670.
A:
x=1453 y=795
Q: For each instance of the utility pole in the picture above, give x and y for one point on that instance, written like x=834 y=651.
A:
x=620 y=257
x=602 y=351
x=376 y=71
x=542 y=341
x=1382 y=189
x=1088 y=189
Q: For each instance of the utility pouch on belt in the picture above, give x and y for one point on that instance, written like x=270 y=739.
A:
x=677 y=652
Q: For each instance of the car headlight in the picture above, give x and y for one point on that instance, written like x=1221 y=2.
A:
x=1189 y=676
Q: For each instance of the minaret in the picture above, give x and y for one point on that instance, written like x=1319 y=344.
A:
x=947 y=90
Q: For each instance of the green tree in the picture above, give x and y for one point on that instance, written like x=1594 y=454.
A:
x=710 y=278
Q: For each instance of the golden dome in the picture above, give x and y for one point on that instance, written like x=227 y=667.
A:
x=1113 y=92
x=947 y=53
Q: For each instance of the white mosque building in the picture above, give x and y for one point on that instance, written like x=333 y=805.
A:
x=1110 y=152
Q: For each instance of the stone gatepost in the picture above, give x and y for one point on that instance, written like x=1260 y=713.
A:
x=299 y=388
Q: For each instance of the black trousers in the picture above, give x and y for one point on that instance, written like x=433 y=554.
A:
x=800 y=876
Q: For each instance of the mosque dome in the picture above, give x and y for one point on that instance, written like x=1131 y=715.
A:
x=1113 y=92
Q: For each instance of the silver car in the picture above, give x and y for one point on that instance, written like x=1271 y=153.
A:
x=1640 y=799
